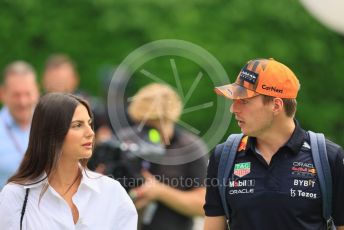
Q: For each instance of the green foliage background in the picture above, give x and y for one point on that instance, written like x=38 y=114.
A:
x=101 y=33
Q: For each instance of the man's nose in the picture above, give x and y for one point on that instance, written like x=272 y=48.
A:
x=234 y=108
x=23 y=100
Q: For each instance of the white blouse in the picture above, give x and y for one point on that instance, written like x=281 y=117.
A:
x=102 y=203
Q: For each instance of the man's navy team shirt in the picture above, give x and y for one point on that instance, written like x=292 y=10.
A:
x=282 y=195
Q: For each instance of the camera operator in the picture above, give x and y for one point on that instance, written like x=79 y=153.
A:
x=162 y=204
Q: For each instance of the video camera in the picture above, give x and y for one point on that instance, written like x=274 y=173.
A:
x=124 y=158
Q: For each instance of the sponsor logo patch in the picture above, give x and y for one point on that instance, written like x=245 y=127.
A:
x=242 y=169
x=241 y=183
x=241 y=191
x=229 y=92
x=243 y=144
x=306 y=145
x=248 y=76
x=300 y=193
x=304 y=183
x=272 y=88
x=303 y=168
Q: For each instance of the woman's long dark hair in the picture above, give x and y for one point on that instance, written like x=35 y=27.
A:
x=50 y=124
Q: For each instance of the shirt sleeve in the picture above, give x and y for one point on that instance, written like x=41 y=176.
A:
x=9 y=209
x=128 y=214
x=213 y=205
x=338 y=188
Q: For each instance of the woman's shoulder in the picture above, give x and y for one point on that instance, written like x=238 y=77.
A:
x=12 y=194
x=13 y=188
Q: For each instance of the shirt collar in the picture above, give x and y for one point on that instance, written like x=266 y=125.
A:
x=294 y=143
x=297 y=139
x=40 y=181
x=89 y=179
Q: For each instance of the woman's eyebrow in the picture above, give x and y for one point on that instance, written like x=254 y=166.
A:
x=77 y=121
x=90 y=120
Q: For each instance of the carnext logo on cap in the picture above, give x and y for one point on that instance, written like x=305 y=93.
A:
x=272 y=88
x=248 y=76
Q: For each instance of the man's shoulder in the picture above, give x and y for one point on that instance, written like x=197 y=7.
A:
x=6 y=119
x=334 y=151
x=2 y=119
x=332 y=146
x=5 y=113
x=2 y=128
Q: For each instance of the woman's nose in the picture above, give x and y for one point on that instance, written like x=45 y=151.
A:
x=90 y=132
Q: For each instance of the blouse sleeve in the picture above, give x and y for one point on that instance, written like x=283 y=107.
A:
x=127 y=218
x=11 y=200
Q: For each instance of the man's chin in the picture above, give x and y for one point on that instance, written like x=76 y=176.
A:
x=23 y=118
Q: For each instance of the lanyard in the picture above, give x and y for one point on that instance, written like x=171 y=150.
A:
x=12 y=137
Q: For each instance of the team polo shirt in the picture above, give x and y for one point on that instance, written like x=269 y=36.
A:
x=284 y=194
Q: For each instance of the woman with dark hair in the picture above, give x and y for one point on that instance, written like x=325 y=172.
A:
x=52 y=188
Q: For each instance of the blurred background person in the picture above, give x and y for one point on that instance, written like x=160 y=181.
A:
x=60 y=75
x=163 y=205
x=19 y=95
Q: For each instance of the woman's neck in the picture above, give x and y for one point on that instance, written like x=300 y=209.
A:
x=65 y=176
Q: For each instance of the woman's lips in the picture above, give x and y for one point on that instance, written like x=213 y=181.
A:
x=87 y=145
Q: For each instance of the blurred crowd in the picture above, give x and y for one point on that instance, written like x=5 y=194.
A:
x=139 y=157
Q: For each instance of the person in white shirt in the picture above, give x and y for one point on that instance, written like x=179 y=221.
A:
x=19 y=95
x=52 y=188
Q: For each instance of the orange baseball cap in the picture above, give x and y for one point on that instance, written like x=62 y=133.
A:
x=262 y=76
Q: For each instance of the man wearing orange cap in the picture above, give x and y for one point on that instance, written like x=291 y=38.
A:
x=274 y=182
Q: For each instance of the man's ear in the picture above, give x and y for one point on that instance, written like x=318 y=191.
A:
x=278 y=106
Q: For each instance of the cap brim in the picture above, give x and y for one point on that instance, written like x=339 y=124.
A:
x=235 y=91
